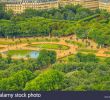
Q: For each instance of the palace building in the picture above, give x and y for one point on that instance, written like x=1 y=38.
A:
x=91 y=4
x=104 y=4
x=18 y=6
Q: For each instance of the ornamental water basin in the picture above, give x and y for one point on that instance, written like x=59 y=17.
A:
x=22 y=53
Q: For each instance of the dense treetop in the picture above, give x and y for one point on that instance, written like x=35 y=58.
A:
x=57 y=22
x=74 y=75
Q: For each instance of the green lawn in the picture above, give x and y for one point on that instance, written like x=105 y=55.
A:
x=75 y=43
x=18 y=52
x=50 y=46
x=107 y=52
x=7 y=42
x=28 y=40
x=87 y=50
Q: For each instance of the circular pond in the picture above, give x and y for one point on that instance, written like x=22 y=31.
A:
x=22 y=53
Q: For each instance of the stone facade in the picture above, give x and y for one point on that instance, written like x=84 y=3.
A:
x=91 y=4
x=104 y=4
x=20 y=5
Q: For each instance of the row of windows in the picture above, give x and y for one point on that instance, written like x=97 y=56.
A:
x=29 y=6
x=12 y=5
x=40 y=7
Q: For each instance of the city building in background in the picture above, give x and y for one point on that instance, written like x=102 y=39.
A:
x=21 y=5
x=104 y=4
x=18 y=6
x=91 y=4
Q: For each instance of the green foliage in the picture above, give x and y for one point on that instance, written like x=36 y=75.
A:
x=8 y=68
x=53 y=22
x=75 y=80
x=69 y=12
x=95 y=30
x=73 y=66
x=3 y=14
x=46 y=58
x=107 y=60
x=48 y=81
x=85 y=76
x=73 y=75
x=58 y=22
x=86 y=57
x=33 y=27
x=17 y=81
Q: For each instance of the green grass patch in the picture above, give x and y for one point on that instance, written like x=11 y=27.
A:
x=50 y=46
x=75 y=43
x=107 y=52
x=87 y=50
x=18 y=52
x=28 y=40
x=7 y=42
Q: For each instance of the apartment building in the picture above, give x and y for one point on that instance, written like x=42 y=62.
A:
x=19 y=7
x=91 y=4
x=104 y=4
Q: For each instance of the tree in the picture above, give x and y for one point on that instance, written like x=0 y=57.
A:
x=17 y=81
x=2 y=13
x=86 y=57
x=46 y=58
x=9 y=58
x=107 y=60
x=47 y=81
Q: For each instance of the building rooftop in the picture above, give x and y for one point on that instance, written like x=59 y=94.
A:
x=15 y=1
x=105 y=1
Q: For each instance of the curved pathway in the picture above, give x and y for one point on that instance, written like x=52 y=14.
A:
x=60 y=53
